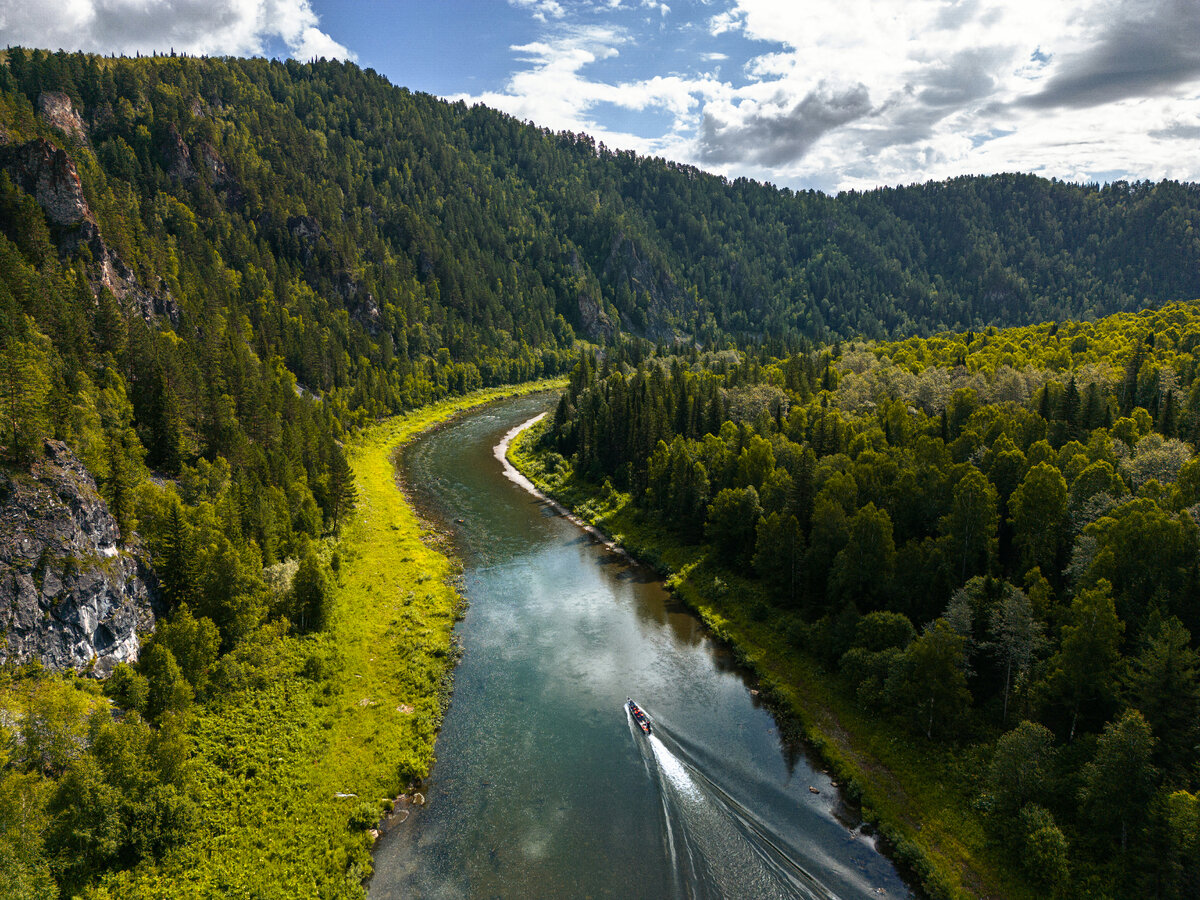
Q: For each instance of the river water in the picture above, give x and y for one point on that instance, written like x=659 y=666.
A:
x=544 y=787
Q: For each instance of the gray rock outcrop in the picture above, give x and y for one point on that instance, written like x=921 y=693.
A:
x=58 y=111
x=596 y=323
x=629 y=265
x=217 y=170
x=48 y=174
x=70 y=595
x=177 y=156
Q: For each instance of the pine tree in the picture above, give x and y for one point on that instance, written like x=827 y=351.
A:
x=24 y=389
x=118 y=488
x=342 y=493
x=174 y=561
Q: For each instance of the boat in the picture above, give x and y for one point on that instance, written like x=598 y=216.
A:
x=640 y=717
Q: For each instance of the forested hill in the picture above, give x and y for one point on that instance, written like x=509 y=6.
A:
x=190 y=249
x=330 y=193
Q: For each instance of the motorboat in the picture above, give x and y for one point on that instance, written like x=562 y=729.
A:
x=640 y=717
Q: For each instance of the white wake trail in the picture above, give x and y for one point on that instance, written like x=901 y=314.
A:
x=727 y=854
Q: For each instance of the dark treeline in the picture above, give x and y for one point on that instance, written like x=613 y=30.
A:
x=992 y=537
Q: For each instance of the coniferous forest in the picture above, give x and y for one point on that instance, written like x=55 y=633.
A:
x=990 y=538
x=215 y=273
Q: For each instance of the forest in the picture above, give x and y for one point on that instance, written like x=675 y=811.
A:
x=215 y=274
x=991 y=538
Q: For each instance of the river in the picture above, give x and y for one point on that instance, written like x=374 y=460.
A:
x=543 y=785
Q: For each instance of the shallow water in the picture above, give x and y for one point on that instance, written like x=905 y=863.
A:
x=544 y=787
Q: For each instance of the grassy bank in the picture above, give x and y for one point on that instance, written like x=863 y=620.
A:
x=304 y=754
x=920 y=799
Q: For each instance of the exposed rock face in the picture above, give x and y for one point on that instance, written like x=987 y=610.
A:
x=70 y=596
x=177 y=156
x=217 y=169
x=305 y=229
x=362 y=303
x=191 y=167
x=56 y=108
x=626 y=264
x=592 y=316
x=47 y=174
x=596 y=323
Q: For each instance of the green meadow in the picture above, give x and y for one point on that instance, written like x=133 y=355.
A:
x=311 y=738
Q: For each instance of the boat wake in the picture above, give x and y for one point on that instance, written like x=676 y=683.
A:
x=716 y=846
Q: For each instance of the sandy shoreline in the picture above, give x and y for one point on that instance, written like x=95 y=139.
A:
x=500 y=451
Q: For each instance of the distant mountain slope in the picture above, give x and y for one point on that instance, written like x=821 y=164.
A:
x=192 y=249
x=440 y=225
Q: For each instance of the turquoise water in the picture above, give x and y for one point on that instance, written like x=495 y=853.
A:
x=544 y=787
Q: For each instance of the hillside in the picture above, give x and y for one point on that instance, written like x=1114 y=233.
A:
x=439 y=225
x=188 y=237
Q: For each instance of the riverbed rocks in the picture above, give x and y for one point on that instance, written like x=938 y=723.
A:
x=71 y=595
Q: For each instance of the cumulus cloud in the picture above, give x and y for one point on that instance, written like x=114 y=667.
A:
x=856 y=93
x=552 y=88
x=1141 y=48
x=1179 y=130
x=962 y=77
x=201 y=27
x=1076 y=89
x=776 y=134
x=541 y=9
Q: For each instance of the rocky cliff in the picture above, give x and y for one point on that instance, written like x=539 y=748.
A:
x=48 y=174
x=629 y=265
x=70 y=595
x=58 y=111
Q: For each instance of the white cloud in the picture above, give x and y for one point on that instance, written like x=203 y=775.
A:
x=856 y=93
x=542 y=9
x=863 y=92
x=729 y=20
x=201 y=27
x=554 y=91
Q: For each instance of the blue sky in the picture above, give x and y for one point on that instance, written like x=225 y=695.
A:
x=805 y=93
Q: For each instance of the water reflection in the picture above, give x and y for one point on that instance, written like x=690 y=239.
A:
x=540 y=789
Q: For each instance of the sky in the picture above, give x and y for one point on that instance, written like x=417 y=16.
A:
x=826 y=94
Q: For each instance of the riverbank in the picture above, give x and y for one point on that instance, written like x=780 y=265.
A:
x=396 y=608
x=298 y=763
x=918 y=799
